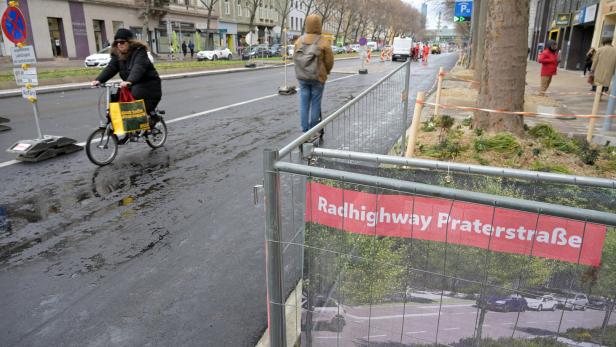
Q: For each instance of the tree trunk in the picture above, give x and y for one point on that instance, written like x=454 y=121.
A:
x=146 y=22
x=482 y=318
x=608 y=313
x=503 y=77
x=474 y=30
x=481 y=44
x=339 y=26
x=348 y=26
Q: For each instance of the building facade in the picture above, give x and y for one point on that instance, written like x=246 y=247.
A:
x=65 y=29
x=571 y=24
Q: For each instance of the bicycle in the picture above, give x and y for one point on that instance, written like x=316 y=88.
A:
x=102 y=144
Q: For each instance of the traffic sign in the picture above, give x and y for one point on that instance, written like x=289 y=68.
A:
x=463 y=8
x=363 y=41
x=24 y=55
x=14 y=25
x=25 y=76
x=27 y=93
x=457 y=19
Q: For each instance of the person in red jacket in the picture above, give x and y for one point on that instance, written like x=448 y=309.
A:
x=549 y=64
x=426 y=52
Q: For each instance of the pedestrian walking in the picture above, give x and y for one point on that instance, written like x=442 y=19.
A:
x=426 y=52
x=191 y=46
x=549 y=65
x=314 y=60
x=588 y=60
x=603 y=66
x=184 y=49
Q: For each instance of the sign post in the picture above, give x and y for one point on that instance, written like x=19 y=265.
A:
x=285 y=89
x=44 y=146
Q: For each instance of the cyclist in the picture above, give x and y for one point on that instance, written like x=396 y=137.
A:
x=129 y=58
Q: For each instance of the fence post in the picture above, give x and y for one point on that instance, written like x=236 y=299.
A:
x=595 y=109
x=439 y=87
x=271 y=184
x=405 y=100
x=410 y=149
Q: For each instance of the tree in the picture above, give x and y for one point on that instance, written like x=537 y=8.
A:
x=503 y=75
x=209 y=5
x=283 y=7
x=325 y=8
x=308 y=6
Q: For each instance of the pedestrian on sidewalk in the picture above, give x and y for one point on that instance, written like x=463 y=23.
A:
x=191 y=46
x=603 y=66
x=588 y=60
x=314 y=60
x=549 y=64
x=184 y=48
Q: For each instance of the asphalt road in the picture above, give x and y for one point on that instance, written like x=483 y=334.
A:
x=422 y=324
x=162 y=247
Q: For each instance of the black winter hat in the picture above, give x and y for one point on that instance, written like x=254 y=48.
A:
x=123 y=34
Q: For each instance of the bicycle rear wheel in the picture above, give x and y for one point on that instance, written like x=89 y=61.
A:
x=101 y=147
x=158 y=135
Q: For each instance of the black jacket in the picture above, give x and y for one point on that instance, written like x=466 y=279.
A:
x=134 y=67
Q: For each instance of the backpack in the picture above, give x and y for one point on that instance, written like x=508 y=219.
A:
x=306 y=59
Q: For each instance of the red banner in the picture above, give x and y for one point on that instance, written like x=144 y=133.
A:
x=461 y=223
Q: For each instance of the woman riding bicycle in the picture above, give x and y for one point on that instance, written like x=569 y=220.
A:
x=129 y=58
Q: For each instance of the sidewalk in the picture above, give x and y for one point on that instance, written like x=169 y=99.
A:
x=573 y=95
x=569 y=93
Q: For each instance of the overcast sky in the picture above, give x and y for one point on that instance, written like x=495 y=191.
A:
x=433 y=6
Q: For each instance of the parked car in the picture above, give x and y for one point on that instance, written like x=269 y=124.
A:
x=510 y=303
x=102 y=58
x=276 y=50
x=373 y=45
x=573 y=301
x=338 y=50
x=355 y=48
x=597 y=302
x=258 y=52
x=327 y=313
x=546 y=302
x=215 y=54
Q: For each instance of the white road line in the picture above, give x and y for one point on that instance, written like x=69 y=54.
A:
x=373 y=336
x=199 y=114
x=416 y=332
x=507 y=323
x=445 y=329
x=7 y=163
x=326 y=337
x=553 y=321
x=392 y=316
x=530 y=322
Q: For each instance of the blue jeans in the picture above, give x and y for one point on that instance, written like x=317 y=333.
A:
x=310 y=96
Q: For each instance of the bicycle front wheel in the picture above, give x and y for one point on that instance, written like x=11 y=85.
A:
x=158 y=135
x=102 y=147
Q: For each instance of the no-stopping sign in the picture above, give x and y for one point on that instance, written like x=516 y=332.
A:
x=14 y=25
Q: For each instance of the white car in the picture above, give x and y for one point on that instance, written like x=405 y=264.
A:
x=102 y=58
x=546 y=302
x=574 y=301
x=215 y=54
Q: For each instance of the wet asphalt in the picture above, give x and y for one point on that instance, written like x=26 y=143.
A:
x=162 y=247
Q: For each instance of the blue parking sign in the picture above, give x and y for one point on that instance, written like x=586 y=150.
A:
x=464 y=8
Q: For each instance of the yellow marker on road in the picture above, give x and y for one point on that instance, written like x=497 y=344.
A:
x=32 y=99
x=25 y=66
x=28 y=85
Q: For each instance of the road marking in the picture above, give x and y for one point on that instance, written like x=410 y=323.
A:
x=507 y=323
x=10 y=162
x=445 y=306
x=444 y=329
x=530 y=322
x=553 y=321
x=416 y=332
x=392 y=316
x=373 y=336
x=326 y=337
x=199 y=114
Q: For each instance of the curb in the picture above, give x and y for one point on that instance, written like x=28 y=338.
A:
x=86 y=85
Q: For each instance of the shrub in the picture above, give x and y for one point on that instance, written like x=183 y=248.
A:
x=503 y=143
x=553 y=139
x=546 y=167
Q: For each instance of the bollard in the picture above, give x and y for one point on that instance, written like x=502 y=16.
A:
x=410 y=148
x=441 y=73
x=595 y=109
